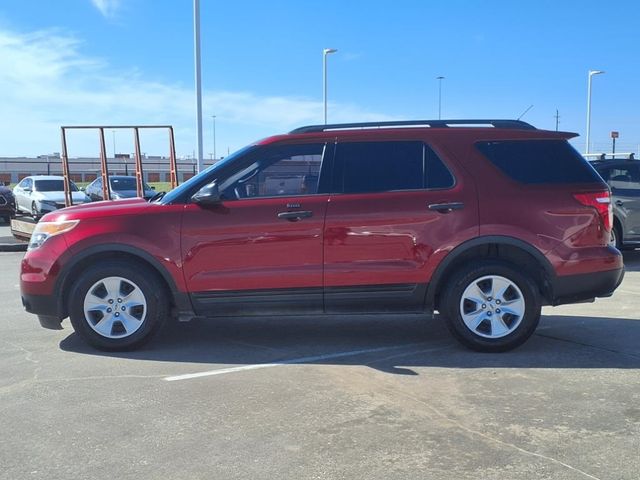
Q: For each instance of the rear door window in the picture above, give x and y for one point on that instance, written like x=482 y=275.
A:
x=368 y=167
x=539 y=161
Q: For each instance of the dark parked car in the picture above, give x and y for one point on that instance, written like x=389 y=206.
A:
x=7 y=204
x=484 y=221
x=623 y=177
x=121 y=187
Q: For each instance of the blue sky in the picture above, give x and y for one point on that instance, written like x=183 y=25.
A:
x=131 y=61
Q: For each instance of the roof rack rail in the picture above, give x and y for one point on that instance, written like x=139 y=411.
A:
x=510 y=124
x=600 y=157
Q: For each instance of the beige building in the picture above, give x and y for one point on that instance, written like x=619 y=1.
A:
x=86 y=169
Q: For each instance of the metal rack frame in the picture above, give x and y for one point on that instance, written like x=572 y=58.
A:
x=106 y=188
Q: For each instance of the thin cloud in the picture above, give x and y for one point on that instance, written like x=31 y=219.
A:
x=47 y=82
x=108 y=8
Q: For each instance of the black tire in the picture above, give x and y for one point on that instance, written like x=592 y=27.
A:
x=616 y=234
x=34 y=211
x=153 y=292
x=518 y=328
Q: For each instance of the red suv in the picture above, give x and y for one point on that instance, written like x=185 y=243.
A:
x=484 y=221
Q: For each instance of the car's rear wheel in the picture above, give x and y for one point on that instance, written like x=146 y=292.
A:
x=490 y=306
x=117 y=305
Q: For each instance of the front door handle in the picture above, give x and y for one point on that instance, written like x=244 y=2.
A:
x=446 y=207
x=295 y=216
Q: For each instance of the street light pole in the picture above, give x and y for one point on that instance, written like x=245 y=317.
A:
x=591 y=74
x=439 y=96
x=198 y=75
x=325 y=52
x=214 y=136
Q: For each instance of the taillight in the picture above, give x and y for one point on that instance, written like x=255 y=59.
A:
x=601 y=201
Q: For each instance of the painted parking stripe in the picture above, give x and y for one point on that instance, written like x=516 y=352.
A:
x=315 y=358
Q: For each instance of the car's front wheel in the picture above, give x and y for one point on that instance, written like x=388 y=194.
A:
x=34 y=211
x=490 y=306
x=117 y=305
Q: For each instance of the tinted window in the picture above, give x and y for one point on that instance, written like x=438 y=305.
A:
x=285 y=170
x=125 y=183
x=438 y=176
x=53 y=186
x=386 y=166
x=539 y=161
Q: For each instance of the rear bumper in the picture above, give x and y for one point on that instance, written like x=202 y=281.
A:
x=586 y=286
x=40 y=304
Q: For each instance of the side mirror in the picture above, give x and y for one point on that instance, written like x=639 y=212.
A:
x=28 y=190
x=207 y=195
x=152 y=187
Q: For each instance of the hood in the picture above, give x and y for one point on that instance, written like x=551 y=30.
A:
x=105 y=208
x=5 y=190
x=58 y=197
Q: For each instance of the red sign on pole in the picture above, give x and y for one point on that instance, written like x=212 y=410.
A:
x=615 y=134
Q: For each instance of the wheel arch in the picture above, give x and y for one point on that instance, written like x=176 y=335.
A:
x=520 y=253
x=178 y=300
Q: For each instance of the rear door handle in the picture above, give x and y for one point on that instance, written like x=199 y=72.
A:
x=295 y=216
x=446 y=207
x=619 y=203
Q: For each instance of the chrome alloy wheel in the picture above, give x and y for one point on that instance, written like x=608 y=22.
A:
x=115 y=307
x=492 y=306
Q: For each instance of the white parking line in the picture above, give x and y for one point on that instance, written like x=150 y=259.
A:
x=257 y=366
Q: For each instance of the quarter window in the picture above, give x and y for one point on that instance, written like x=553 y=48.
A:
x=539 y=161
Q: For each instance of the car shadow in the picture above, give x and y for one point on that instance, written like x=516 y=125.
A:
x=390 y=344
x=631 y=260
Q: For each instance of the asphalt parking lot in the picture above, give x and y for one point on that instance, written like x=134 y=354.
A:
x=324 y=398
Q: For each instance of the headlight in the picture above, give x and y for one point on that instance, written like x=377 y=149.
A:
x=48 y=202
x=45 y=230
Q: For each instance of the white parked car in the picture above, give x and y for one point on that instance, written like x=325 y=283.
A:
x=42 y=194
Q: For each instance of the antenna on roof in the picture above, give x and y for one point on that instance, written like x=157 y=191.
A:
x=524 y=113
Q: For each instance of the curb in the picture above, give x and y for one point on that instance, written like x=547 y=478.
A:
x=13 y=247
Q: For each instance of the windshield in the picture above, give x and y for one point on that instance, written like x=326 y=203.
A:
x=125 y=183
x=177 y=192
x=52 y=186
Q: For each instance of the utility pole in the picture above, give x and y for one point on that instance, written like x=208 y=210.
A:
x=557 y=115
x=198 y=78
x=214 y=136
x=440 y=78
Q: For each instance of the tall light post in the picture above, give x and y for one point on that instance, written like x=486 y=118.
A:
x=213 y=117
x=591 y=74
x=439 y=96
x=198 y=75
x=325 y=52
